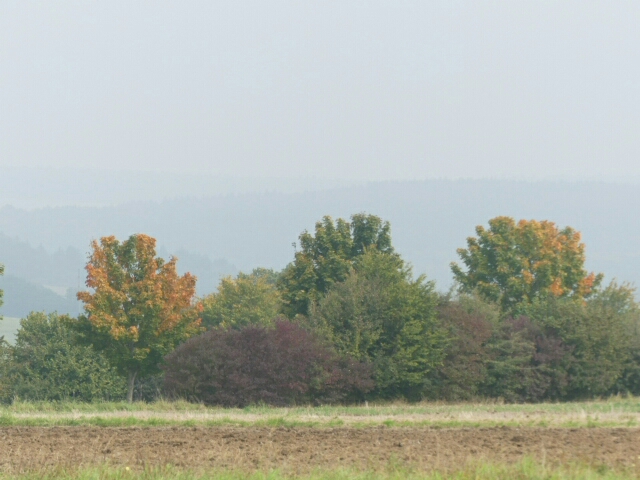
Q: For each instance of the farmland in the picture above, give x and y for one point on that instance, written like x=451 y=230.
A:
x=599 y=439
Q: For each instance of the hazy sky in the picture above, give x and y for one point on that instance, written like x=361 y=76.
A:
x=357 y=89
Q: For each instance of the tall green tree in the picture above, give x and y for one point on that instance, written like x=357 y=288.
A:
x=138 y=308
x=47 y=363
x=380 y=314
x=327 y=256
x=512 y=263
x=248 y=299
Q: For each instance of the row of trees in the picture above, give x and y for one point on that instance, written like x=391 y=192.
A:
x=346 y=320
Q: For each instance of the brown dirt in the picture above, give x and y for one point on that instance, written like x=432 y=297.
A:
x=304 y=449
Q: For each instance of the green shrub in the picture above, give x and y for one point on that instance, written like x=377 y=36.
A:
x=469 y=323
x=47 y=364
x=380 y=314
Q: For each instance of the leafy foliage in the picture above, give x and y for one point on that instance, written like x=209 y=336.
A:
x=566 y=348
x=379 y=314
x=248 y=299
x=139 y=308
x=469 y=323
x=525 y=363
x=284 y=365
x=5 y=370
x=515 y=263
x=47 y=364
x=600 y=333
x=527 y=323
x=327 y=257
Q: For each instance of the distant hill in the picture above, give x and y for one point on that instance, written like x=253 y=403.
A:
x=61 y=268
x=47 y=187
x=21 y=297
x=429 y=219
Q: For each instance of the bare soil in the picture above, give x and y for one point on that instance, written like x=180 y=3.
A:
x=304 y=449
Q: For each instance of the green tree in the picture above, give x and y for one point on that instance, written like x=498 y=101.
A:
x=248 y=299
x=600 y=334
x=327 y=257
x=526 y=362
x=380 y=314
x=138 y=308
x=47 y=363
x=470 y=323
x=512 y=263
x=564 y=348
x=5 y=371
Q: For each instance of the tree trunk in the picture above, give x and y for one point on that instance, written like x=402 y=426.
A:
x=132 y=384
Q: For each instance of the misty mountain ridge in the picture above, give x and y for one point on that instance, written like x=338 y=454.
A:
x=34 y=188
x=31 y=188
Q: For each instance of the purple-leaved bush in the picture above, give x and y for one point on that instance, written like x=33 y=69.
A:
x=284 y=365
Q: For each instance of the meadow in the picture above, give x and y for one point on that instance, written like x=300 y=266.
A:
x=614 y=412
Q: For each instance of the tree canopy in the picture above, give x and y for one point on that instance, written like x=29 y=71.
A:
x=511 y=263
x=326 y=258
x=380 y=314
x=47 y=363
x=248 y=299
x=138 y=308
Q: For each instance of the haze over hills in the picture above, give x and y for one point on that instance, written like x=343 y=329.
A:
x=53 y=187
x=221 y=234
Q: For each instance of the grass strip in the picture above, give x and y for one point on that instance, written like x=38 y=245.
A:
x=527 y=469
x=617 y=404
x=613 y=412
x=9 y=420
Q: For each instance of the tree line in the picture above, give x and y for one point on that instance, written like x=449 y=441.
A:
x=345 y=321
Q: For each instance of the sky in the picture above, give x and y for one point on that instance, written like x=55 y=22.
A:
x=364 y=90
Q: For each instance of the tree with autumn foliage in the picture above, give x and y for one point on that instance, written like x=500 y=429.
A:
x=513 y=263
x=138 y=307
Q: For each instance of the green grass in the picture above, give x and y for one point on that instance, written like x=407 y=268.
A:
x=613 y=412
x=626 y=404
x=525 y=470
x=9 y=327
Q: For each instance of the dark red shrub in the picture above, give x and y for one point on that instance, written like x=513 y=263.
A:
x=285 y=365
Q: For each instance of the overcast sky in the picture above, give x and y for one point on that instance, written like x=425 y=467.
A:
x=365 y=90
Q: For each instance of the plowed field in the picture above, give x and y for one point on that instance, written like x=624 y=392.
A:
x=305 y=449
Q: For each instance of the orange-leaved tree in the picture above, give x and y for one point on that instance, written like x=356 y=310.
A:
x=138 y=307
x=511 y=263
